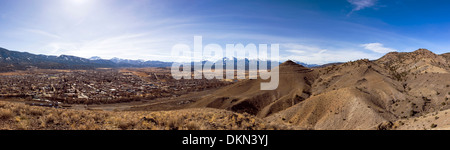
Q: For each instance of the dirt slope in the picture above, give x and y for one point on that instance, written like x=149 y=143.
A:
x=346 y=108
x=246 y=96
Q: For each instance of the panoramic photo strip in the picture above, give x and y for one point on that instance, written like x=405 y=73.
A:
x=220 y=69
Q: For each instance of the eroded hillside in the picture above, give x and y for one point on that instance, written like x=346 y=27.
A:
x=355 y=95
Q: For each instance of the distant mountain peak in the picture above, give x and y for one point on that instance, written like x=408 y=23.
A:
x=14 y=60
x=95 y=58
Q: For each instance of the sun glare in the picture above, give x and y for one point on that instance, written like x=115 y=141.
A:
x=79 y=2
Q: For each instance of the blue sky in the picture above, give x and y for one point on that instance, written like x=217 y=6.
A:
x=311 y=31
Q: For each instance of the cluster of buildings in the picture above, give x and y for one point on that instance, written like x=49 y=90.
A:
x=99 y=86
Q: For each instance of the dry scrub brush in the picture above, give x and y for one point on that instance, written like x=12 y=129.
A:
x=15 y=116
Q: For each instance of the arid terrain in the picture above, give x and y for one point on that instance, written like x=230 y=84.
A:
x=15 y=116
x=382 y=94
x=398 y=91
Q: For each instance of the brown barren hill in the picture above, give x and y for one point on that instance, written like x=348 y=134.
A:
x=346 y=108
x=354 y=95
x=419 y=61
x=424 y=76
x=246 y=96
x=359 y=94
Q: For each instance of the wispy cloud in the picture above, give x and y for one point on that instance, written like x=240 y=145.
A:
x=130 y=46
x=317 y=55
x=378 y=48
x=43 y=33
x=302 y=49
x=361 y=4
